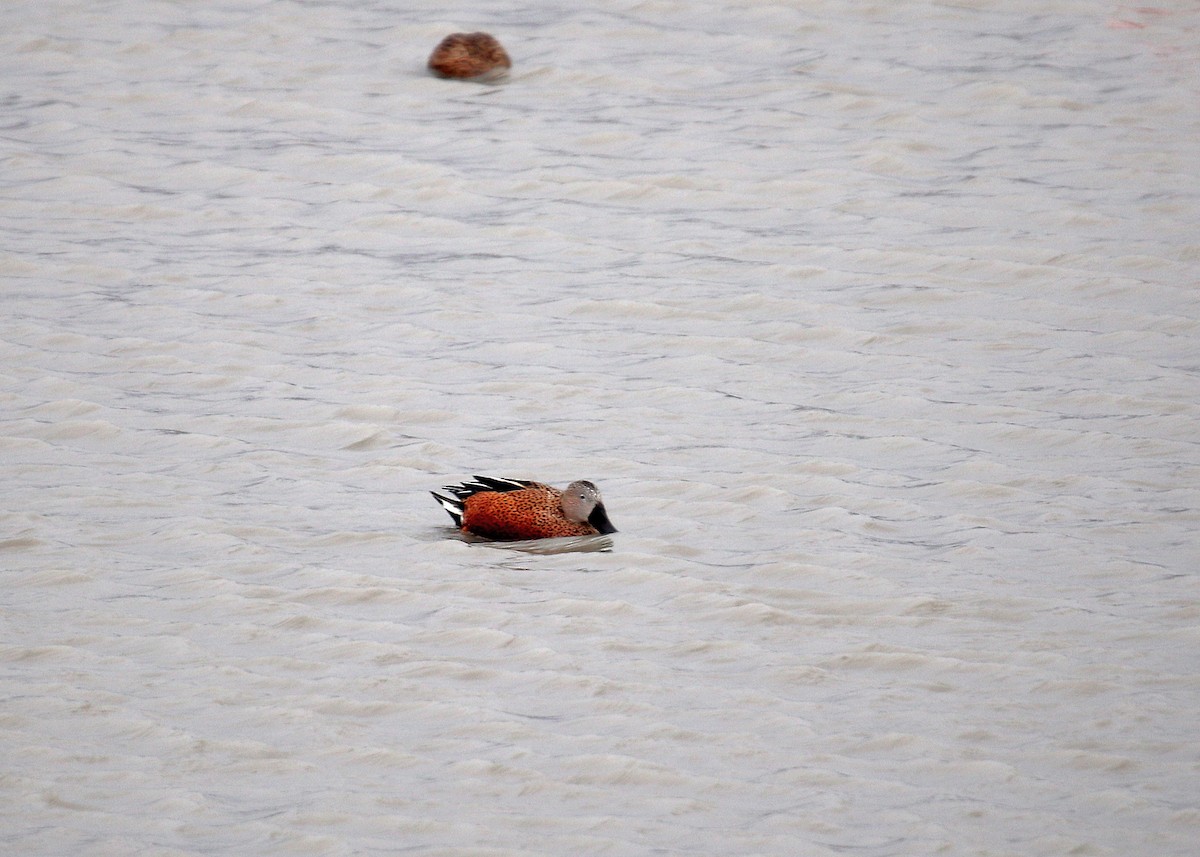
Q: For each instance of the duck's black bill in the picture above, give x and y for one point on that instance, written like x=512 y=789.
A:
x=599 y=520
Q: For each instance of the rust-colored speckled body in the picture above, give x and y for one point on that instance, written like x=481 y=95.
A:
x=517 y=509
x=532 y=513
x=467 y=55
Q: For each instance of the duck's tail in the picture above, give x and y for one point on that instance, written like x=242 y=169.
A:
x=459 y=493
x=453 y=506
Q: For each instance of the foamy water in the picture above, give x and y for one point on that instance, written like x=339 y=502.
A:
x=877 y=325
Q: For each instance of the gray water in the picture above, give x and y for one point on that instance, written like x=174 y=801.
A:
x=877 y=325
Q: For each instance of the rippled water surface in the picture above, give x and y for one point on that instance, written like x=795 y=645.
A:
x=876 y=323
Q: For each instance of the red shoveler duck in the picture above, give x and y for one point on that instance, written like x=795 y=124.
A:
x=517 y=509
x=470 y=55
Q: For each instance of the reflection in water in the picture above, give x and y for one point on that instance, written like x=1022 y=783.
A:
x=570 y=544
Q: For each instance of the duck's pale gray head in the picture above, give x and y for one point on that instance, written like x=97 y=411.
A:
x=581 y=502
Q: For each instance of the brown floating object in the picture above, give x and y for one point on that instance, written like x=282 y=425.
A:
x=467 y=55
